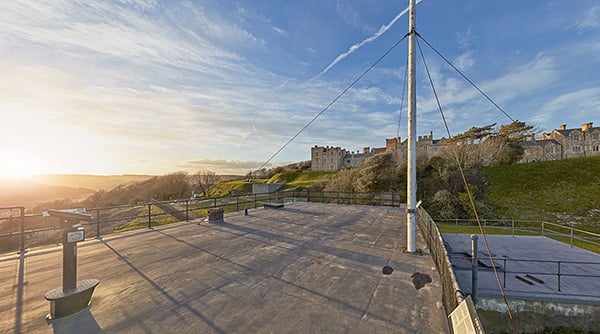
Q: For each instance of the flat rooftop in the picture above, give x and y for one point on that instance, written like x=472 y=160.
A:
x=536 y=259
x=304 y=268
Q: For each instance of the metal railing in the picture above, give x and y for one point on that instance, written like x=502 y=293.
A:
x=531 y=271
x=7 y=215
x=563 y=233
x=38 y=230
x=452 y=296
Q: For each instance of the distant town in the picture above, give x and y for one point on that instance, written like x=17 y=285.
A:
x=561 y=143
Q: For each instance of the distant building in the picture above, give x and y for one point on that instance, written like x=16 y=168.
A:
x=559 y=144
x=336 y=158
x=564 y=143
x=327 y=159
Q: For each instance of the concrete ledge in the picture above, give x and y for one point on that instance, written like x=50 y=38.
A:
x=273 y=205
x=535 y=315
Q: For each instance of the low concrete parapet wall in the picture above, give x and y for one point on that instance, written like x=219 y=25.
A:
x=534 y=315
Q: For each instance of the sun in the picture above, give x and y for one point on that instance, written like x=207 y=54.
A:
x=17 y=168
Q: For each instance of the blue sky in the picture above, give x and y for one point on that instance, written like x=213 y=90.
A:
x=151 y=86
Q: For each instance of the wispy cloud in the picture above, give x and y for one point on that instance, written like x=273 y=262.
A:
x=370 y=39
x=236 y=167
x=591 y=19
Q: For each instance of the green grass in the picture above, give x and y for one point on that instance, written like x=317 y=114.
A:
x=159 y=217
x=556 y=191
x=238 y=186
x=296 y=180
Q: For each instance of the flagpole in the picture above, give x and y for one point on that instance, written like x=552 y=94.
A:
x=411 y=191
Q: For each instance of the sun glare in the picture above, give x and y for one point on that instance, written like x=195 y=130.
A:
x=16 y=169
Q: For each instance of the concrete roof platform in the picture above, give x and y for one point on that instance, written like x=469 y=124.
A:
x=304 y=268
x=527 y=257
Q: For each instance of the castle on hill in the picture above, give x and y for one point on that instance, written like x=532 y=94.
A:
x=561 y=143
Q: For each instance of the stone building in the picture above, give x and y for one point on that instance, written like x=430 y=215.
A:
x=576 y=142
x=336 y=158
x=559 y=144
x=327 y=159
x=563 y=143
x=541 y=150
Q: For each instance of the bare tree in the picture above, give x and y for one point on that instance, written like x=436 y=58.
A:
x=203 y=181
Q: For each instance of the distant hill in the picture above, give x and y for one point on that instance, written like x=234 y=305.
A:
x=565 y=191
x=34 y=190
x=29 y=194
x=95 y=182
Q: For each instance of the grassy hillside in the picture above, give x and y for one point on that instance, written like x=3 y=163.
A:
x=557 y=191
x=224 y=187
x=300 y=179
x=291 y=180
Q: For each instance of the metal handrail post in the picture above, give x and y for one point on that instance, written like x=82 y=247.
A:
x=558 y=275
x=571 y=237
x=149 y=215
x=98 y=224
x=542 y=229
x=513 y=227
x=504 y=272
x=22 y=212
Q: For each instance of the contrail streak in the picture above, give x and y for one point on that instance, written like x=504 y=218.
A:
x=371 y=38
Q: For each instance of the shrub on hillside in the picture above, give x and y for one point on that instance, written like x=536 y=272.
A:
x=343 y=181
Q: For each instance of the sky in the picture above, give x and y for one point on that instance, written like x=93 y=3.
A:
x=158 y=86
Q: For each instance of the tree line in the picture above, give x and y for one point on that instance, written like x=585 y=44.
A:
x=439 y=181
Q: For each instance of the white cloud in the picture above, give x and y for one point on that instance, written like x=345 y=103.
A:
x=586 y=100
x=235 y=167
x=465 y=61
x=464 y=38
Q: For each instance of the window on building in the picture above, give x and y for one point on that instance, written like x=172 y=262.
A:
x=575 y=137
x=348 y=161
x=596 y=148
x=576 y=149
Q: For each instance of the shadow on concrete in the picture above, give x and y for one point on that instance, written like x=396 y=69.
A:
x=162 y=291
x=302 y=212
x=314 y=244
x=362 y=312
x=80 y=322
x=203 y=250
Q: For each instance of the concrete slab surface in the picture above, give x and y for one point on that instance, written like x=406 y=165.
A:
x=304 y=268
x=537 y=260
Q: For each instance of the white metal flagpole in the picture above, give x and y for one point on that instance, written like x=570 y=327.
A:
x=411 y=191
